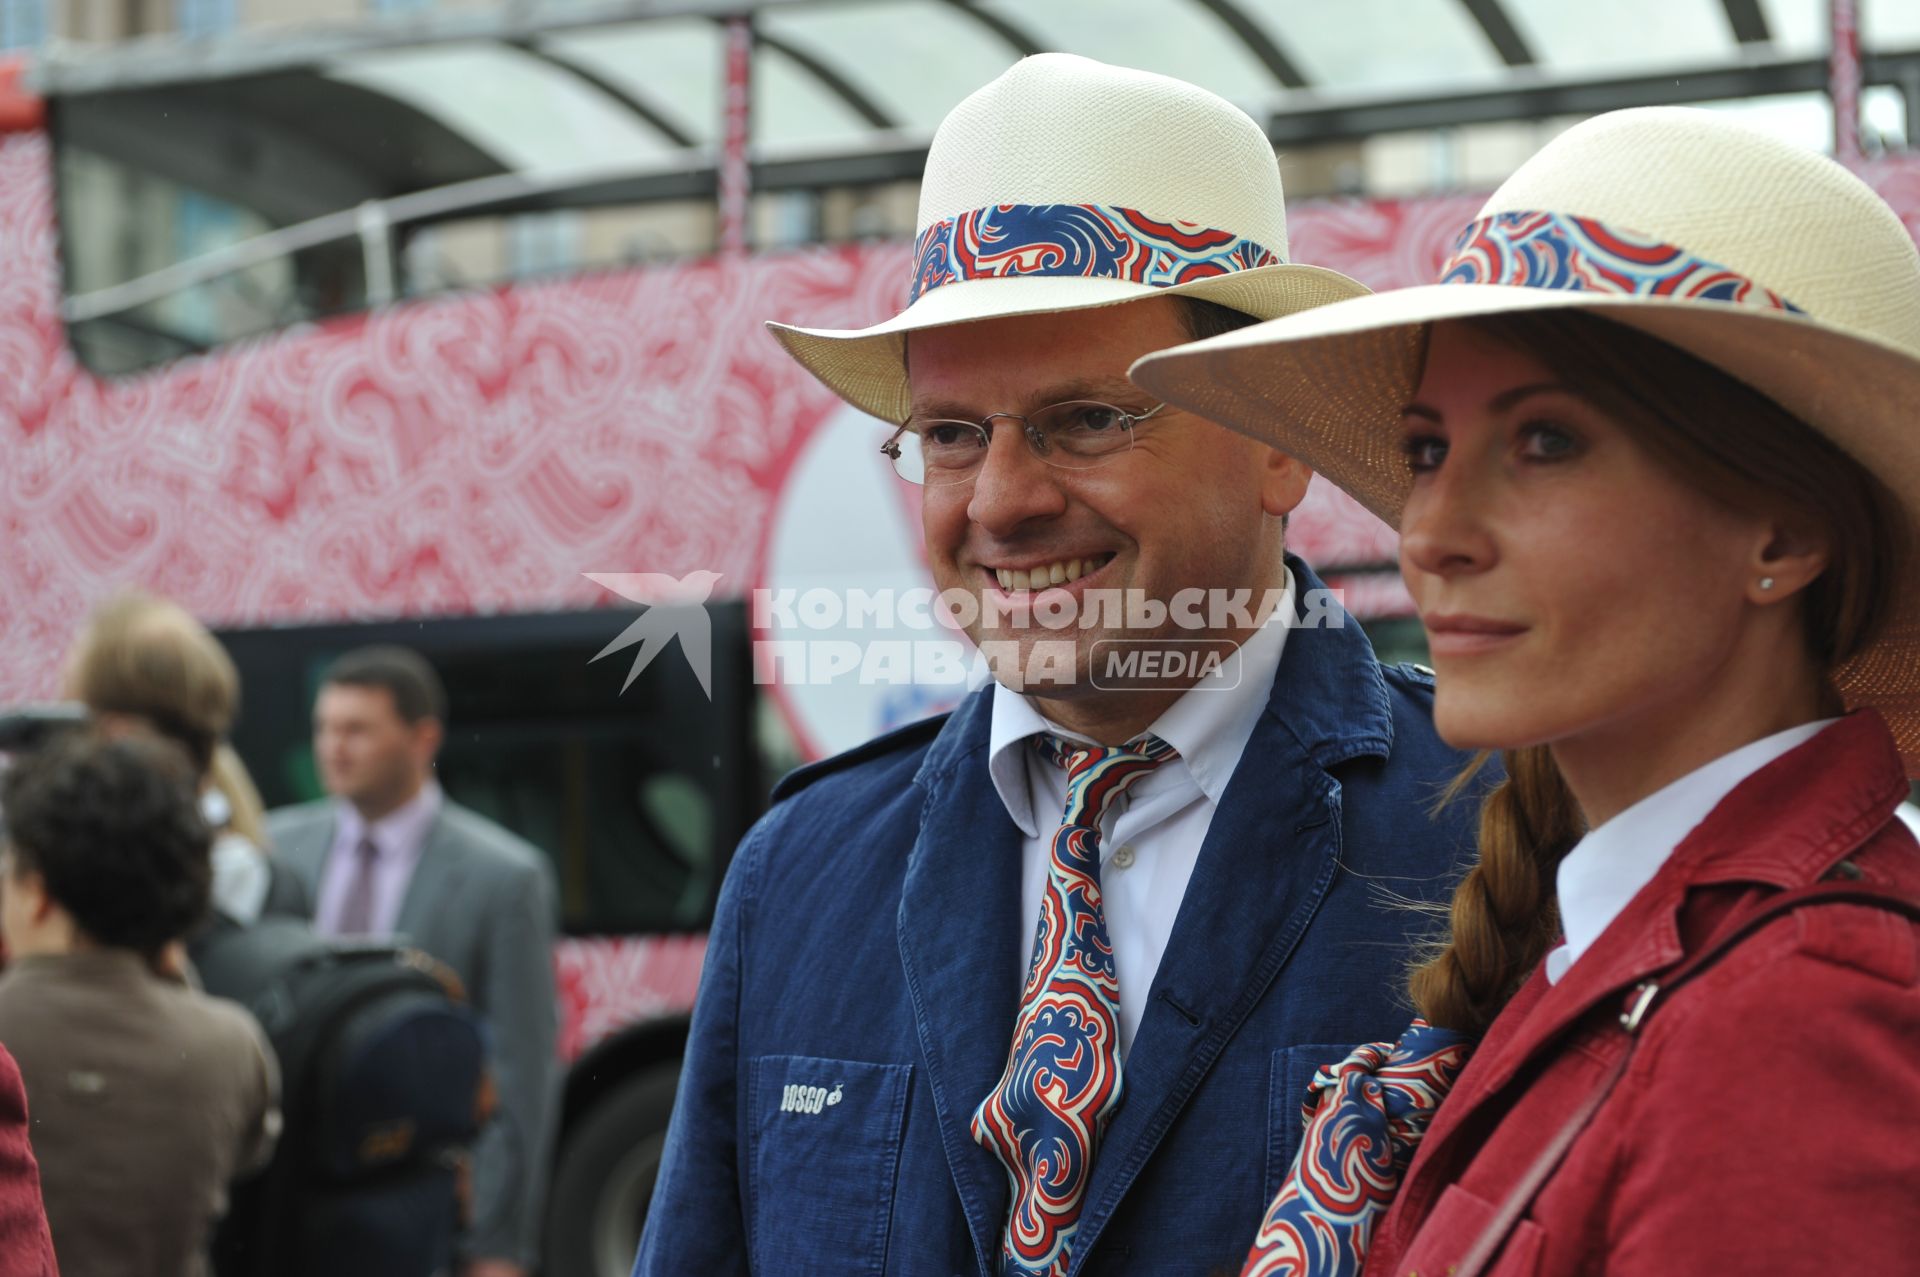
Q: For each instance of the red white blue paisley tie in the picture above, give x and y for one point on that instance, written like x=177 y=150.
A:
x=1045 y=1118
x=1364 y=1118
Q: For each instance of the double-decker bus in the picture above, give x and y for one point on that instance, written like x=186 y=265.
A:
x=396 y=340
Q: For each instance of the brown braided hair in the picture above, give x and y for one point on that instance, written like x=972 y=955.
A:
x=1737 y=447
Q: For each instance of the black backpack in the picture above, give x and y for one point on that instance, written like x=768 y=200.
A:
x=382 y=1074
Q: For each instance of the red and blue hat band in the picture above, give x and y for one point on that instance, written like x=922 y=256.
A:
x=1579 y=254
x=1085 y=241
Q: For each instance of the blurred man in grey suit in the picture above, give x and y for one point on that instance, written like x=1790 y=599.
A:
x=390 y=854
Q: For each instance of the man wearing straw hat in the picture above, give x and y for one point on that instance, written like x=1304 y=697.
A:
x=1203 y=877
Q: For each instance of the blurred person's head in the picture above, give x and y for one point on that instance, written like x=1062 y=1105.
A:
x=105 y=846
x=147 y=659
x=377 y=725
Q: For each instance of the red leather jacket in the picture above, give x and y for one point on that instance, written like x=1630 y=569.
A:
x=26 y=1249
x=1770 y=1118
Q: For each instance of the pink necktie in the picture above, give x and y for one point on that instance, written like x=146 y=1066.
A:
x=356 y=915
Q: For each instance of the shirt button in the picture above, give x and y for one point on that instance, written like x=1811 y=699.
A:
x=1123 y=858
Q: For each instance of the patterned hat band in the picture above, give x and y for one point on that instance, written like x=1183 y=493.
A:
x=1085 y=241
x=1579 y=254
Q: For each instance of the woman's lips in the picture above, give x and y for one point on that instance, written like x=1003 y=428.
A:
x=1462 y=635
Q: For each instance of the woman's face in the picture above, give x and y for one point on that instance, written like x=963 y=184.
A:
x=1568 y=583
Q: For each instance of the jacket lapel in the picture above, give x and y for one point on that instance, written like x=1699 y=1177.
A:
x=1544 y=1012
x=430 y=889
x=305 y=846
x=958 y=926
x=1271 y=853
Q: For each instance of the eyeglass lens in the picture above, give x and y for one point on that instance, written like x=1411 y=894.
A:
x=1073 y=435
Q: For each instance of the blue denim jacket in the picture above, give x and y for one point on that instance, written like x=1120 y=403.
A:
x=861 y=986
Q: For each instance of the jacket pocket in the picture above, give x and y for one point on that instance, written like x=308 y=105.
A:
x=1291 y=1075
x=1456 y=1224
x=826 y=1147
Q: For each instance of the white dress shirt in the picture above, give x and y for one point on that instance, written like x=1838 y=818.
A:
x=399 y=837
x=1607 y=868
x=1153 y=835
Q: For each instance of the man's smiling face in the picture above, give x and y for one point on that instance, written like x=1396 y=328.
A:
x=1190 y=505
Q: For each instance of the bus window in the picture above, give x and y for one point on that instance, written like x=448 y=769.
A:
x=198 y=210
x=202 y=202
x=638 y=796
x=123 y=222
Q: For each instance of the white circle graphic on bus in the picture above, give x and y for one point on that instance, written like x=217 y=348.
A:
x=847 y=523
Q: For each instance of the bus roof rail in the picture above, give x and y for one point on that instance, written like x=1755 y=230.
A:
x=368 y=221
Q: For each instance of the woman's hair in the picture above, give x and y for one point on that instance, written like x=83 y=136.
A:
x=113 y=829
x=146 y=657
x=246 y=812
x=1737 y=447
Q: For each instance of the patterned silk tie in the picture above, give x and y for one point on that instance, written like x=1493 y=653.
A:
x=1364 y=1118
x=1045 y=1118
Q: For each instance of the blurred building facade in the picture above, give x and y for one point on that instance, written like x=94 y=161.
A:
x=1388 y=98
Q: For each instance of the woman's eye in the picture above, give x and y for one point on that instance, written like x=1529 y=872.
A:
x=1545 y=441
x=1424 y=453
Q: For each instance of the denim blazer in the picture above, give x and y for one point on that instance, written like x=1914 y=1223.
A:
x=861 y=984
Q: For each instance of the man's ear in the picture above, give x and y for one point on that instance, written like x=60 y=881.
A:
x=1284 y=481
x=427 y=736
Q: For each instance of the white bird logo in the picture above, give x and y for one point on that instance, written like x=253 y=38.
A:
x=675 y=606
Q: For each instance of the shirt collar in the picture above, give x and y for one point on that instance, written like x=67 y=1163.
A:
x=90 y=966
x=402 y=831
x=1609 y=866
x=1209 y=727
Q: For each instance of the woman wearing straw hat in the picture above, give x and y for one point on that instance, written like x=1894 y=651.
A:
x=1651 y=448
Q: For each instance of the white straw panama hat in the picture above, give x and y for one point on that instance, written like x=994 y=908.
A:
x=1765 y=260
x=1067 y=184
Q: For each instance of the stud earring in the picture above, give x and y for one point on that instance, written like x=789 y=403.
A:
x=1766 y=583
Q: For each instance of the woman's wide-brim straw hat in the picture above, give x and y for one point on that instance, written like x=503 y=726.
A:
x=1767 y=261
x=1067 y=184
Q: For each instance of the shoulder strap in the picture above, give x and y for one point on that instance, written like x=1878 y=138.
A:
x=1520 y=1198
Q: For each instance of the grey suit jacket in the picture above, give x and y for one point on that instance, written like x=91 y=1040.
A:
x=482 y=901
